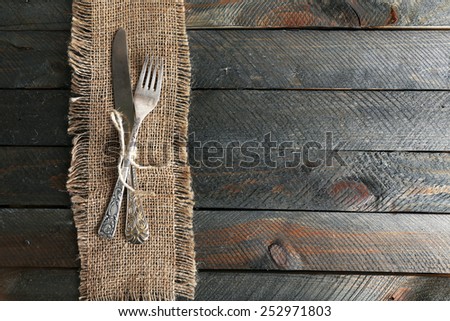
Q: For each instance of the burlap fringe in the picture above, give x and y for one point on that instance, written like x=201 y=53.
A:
x=80 y=60
x=185 y=256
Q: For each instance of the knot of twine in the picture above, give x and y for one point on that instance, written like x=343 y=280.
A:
x=129 y=155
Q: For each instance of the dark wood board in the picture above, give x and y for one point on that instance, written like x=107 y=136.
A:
x=258 y=240
x=34 y=117
x=62 y=284
x=56 y=14
x=35 y=14
x=367 y=181
x=37 y=238
x=235 y=286
x=19 y=284
x=360 y=120
x=321 y=241
x=292 y=59
x=369 y=120
x=34 y=59
x=34 y=176
x=319 y=13
x=262 y=59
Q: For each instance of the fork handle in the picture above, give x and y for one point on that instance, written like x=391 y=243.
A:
x=136 y=226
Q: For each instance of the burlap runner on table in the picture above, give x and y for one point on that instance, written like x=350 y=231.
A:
x=163 y=267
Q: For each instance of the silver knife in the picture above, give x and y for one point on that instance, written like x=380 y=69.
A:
x=123 y=101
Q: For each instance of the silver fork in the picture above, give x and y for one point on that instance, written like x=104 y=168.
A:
x=146 y=97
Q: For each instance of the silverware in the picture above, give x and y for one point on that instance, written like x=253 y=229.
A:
x=146 y=97
x=123 y=101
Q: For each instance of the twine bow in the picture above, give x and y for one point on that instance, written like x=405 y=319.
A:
x=117 y=120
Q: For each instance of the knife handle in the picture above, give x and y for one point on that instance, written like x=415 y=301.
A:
x=110 y=219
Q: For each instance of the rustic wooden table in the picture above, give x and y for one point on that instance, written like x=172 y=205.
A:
x=372 y=226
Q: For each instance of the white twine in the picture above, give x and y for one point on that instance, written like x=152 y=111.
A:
x=117 y=120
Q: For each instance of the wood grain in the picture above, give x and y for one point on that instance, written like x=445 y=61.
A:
x=34 y=59
x=35 y=15
x=37 y=238
x=366 y=181
x=361 y=120
x=293 y=59
x=317 y=287
x=261 y=59
x=20 y=284
x=34 y=176
x=62 y=284
x=322 y=13
x=321 y=241
x=56 y=14
x=34 y=117
x=258 y=240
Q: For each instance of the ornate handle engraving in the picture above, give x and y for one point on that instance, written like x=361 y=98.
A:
x=109 y=224
x=136 y=229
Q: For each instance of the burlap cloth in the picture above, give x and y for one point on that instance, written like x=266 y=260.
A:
x=163 y=267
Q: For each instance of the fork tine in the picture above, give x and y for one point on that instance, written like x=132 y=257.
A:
x=149 y=73
x=152 y=85
x=143 y=72
x=160 y=76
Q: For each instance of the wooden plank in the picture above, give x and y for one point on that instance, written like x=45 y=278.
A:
x=359 y=181
x=306 y=59
x=263 y=59
x=320 y=241
x=34 y=117
x=39 y=284
x=34 y=176
x=241 y=286
x=373 y=121
x=37 y=238
x=56 y=14
x=34 y=59
x=258 y=240
x=359 y=120
x=35 y=15
x=62 y=284
x=301 y=13
x=364 y=181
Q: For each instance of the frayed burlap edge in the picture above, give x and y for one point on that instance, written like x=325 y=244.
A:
x=80 y=60
x=185 y=273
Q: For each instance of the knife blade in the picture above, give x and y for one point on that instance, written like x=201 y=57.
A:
x=123 y=95
x=123 y=102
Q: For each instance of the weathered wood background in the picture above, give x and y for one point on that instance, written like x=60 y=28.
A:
x=55 y=14
x=374 y=227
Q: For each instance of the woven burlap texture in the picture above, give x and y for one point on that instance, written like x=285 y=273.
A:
x=163 y=268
